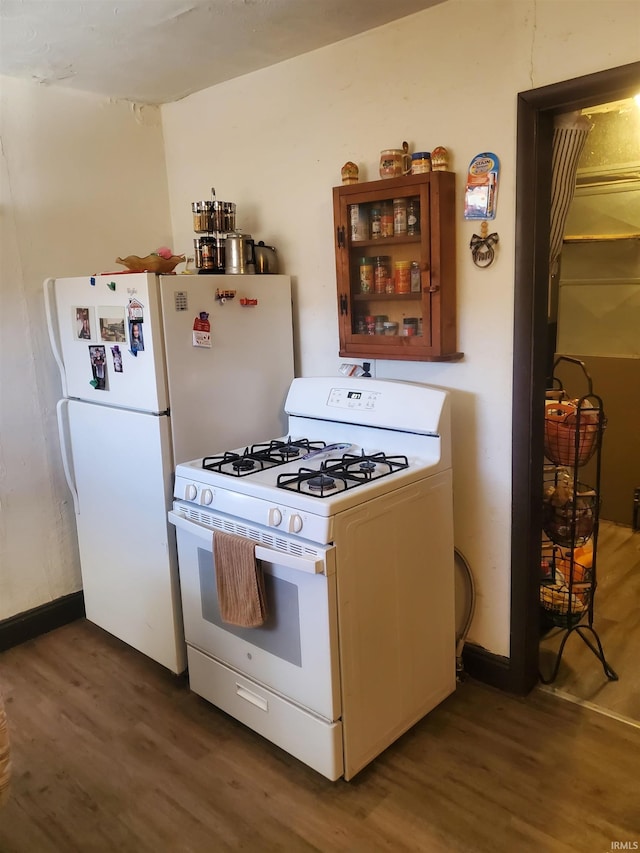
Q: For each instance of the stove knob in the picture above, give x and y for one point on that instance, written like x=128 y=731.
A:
x=275 y=517
x=190 y=492
x=207 y=497
x=295 y=523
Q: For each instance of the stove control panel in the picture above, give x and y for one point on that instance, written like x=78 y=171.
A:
x=345 y=398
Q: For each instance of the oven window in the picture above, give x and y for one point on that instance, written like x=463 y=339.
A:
x=280 y=634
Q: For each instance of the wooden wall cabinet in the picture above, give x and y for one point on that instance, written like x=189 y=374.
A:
x=434 y=249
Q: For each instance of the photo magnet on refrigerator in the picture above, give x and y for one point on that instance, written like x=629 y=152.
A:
x=135 y=315
x=98 y=357
x=202 y=330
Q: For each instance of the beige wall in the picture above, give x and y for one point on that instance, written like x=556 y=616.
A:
x=82 y=181
x=274 y=142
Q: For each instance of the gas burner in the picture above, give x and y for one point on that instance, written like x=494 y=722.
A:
x=290 y=450
x=244 y=463
x=284 y=451
x=237 y=464
x=321 y=482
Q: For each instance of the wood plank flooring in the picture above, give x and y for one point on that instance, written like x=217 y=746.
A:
x=112 y=753
x=617 y=621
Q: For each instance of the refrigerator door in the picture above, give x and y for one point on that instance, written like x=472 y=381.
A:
x=106 y=336
x=230 y=392
x=121 y=462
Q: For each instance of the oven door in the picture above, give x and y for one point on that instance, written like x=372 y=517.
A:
x=295 y=652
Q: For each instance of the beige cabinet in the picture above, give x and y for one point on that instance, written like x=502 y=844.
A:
x=396 y=276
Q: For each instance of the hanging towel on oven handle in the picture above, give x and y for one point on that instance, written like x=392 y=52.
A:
x=239 y=580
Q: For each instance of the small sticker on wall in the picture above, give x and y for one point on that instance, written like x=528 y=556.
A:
x=202 y=330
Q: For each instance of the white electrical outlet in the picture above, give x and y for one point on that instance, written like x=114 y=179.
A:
x=358 y=368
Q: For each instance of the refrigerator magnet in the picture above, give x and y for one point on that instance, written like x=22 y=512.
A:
x=135 y=310
x=201 y=335
x=82 y=319
x=136 y=337
x=116 y=354
x=98 y=358
x=111 y=322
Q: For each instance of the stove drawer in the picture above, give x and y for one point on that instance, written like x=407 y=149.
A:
x=313 y=741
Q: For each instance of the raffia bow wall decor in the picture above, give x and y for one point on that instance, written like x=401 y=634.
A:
x=483 y=246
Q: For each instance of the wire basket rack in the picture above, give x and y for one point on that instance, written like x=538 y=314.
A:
x=572 y=431
x=569 y=513
x=566 y=588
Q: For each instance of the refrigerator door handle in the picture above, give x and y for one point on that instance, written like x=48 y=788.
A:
x=55 y=344
x=64 y=447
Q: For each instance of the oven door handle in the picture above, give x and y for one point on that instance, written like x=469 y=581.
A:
x=309 y=565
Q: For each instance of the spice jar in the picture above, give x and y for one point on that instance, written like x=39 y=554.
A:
x=366 y=275
x=386 y=220
x=207 y=254
x=376 y=223
x=197 y=252
x=359 y=221
x=402 y=277
x=410 y=326
x=414 y=276
x=399 y=217
x=202 y=216
x=380 y=320
x=381 y=273
x=370 y=325
x=413 y=217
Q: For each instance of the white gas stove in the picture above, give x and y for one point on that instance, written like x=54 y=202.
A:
x=351 y=515
x=349 y=441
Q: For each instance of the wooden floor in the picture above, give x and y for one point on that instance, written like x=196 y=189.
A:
x=112 y=753
x=617 y=622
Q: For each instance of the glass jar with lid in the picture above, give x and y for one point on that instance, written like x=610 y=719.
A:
x=201 y=210
x=376 y=223
x=413 y=217
x=399 y=217
x=386 y=220
x=381 y=273
x=366 y=275
x=402 y=276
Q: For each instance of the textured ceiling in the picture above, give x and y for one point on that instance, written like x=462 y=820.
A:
x=156 y=51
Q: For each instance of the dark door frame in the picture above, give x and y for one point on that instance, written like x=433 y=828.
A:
x=536 y=110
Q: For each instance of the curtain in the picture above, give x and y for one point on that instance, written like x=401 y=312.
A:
x=569 y=136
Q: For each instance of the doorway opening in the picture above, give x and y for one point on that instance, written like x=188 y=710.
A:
x=536 y=111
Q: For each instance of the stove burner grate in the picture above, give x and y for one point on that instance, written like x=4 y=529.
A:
x=260 y=457
x=371 y=466
x=346 y=473
x=284 y=451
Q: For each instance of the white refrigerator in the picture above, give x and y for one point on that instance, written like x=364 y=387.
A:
x=157 y=370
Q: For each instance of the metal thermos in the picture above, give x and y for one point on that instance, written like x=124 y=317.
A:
x=240 y=254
